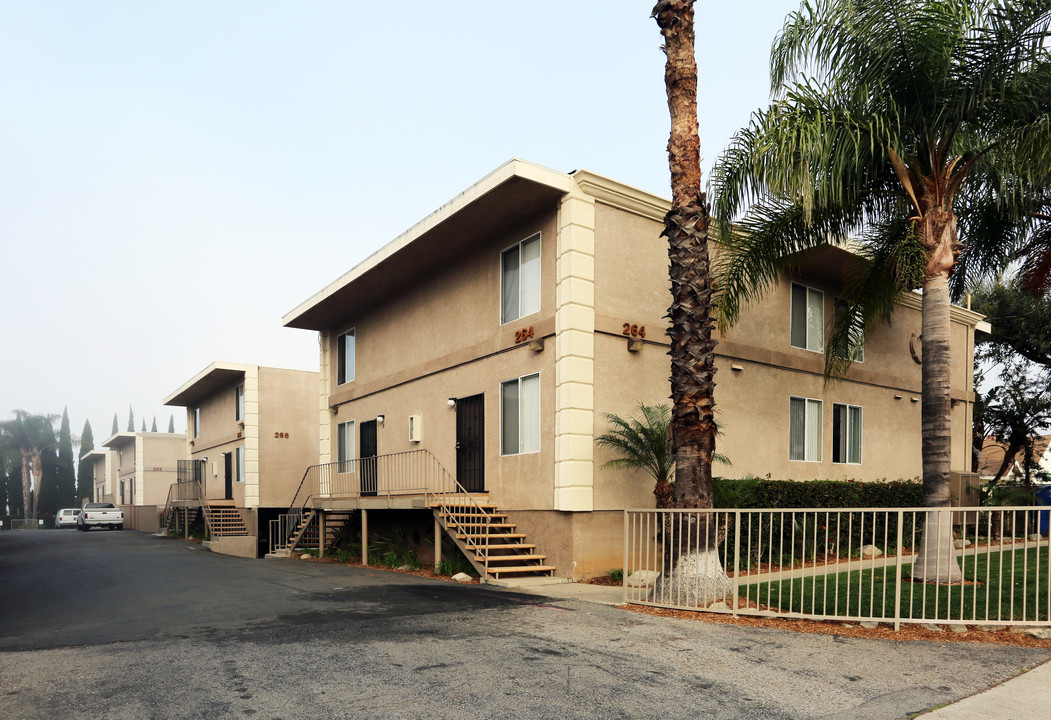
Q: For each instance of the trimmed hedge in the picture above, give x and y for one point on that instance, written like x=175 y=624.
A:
x=747 y=493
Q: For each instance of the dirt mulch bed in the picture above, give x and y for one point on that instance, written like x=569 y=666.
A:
x=908 y=631
x=425 y=571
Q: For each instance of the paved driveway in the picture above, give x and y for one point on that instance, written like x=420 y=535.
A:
x=126 y=625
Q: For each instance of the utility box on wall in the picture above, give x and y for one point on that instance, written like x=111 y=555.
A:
x=963 y=486
x=415 y=428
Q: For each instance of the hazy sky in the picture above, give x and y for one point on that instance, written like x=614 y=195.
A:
x=175 y=177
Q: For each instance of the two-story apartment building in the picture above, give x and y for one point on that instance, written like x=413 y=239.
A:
x=498 y=331
x=252 y=431
x=145 y=467
x=103 y=474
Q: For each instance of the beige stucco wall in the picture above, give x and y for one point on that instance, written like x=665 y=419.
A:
x=104 y=474
x=279 y=434
x=442 y=338
x=287 y=406
x=219 y=434
x=752 y=402
x=161 y=453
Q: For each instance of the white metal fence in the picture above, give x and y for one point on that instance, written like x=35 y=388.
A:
x=894 y=565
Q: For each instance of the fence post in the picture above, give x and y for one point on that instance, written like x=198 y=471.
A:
x=897 y=572
x=737 y=558
x=624 y=565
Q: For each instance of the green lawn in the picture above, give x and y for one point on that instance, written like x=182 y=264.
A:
x=1010 y=586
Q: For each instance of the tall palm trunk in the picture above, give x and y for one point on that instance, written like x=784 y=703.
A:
x=694 y=573
x=38 y=479
x=937 y=560
x=28 y=506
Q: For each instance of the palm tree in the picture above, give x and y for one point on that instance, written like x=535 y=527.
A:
x=890 y=119
x=29 y=435
x=643 y=443
x=696 y=574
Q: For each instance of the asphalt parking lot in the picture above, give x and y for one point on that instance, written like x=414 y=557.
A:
x=128 y=625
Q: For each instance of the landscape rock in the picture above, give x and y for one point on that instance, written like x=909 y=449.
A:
x=871 y=551
x=403 y=568
x=990 y=627
x=931 y=627
x=869 y=624
x=642 y=578
x=462 y=577
x=958 y=629
x=961 y=544
x=1042 y=633
x=1033 y=536
x=718 y=606
x=306 y=557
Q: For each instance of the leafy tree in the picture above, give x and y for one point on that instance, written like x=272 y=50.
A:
x=1015 y=414
x=66 y=479
x=894 y=124
x=86 y=469
x=171 y=424
x=48 y=501
x=116 y=428
x=131 y=420
x=29 y=436
x=1021 y=324
x=642 y=442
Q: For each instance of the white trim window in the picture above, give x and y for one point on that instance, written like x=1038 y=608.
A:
x=804 y=429
x=520 y=280
x=345 y=446
x=808 y=318
x=345 y=357
x=239 y=464
x=239 y=402
x=196 y=423
x=846 y=434
x=520 y=415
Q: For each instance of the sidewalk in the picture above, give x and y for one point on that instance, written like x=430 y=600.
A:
x=1021 y=698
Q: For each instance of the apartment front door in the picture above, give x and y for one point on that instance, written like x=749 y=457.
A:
x=228 y=475
x=470 y=443
x=368 y=458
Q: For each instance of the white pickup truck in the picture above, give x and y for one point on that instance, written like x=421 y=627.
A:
x=100 y=515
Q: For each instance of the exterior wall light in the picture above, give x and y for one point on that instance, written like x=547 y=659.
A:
x=379 y=419
x=451 y=402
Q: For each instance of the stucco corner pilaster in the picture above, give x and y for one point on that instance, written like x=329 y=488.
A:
x=251 y=436
x=324 y=415
x=575 y=353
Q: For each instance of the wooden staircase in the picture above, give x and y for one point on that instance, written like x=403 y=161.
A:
x=224 y=519
x=306 y=534
x=488 y=540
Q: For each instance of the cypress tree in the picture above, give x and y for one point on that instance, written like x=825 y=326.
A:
x=86 y=469
x=171 y=424
x=48 y=499
x=131 y=420
x=66 y=479
x=116 y=427
x=144 y=425
x=154 y=428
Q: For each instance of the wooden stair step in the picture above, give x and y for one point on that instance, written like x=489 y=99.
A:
x=521 y=569
x=511 y=546
x=502 y=536
x=488 y=525
x=507 y=558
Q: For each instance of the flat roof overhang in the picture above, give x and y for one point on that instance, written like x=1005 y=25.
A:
x=507 y=196
x=216 y=377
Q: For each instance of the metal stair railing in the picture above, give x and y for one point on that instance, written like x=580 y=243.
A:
x=415 y=472
x=182 y=491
